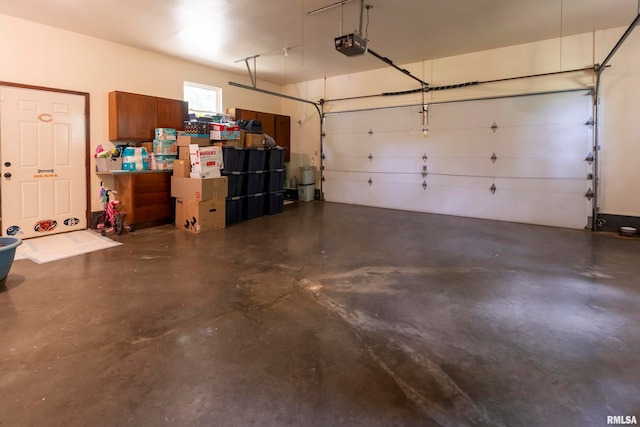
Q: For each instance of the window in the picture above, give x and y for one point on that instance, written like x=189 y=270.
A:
x=204 y=101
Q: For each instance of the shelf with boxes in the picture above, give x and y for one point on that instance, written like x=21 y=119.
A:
x=256 y=182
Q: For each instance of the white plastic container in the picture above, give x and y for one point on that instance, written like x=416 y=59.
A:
x=307 y=175
x=306 y=192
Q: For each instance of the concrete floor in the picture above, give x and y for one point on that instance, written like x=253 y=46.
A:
x=326 y=315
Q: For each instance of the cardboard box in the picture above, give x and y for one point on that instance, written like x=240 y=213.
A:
x=181 y=168
x=200 y=216
x=254 y=140
x=162 y=161
x=165 y=147
x=205 y=159
x=186 y=140
x=199 y=189
x=165 y=134
x=212 y=173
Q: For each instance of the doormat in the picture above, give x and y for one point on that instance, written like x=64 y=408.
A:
x=59 y=246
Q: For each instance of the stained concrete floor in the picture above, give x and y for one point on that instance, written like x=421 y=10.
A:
x=328 y=315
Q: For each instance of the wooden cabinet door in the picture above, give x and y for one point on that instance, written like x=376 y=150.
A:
x=171 y=113
x=240 y=114
x=283 y=134
x=268 y=122
x=131 y=116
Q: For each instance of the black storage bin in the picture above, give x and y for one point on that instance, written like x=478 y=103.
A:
x=234 y=159
x=236 y=182
x=256 y=159
x=274 y=203
x=236 y=208
x=275 y=158
x=255 y=205
x=275 y=180
x=256 y=182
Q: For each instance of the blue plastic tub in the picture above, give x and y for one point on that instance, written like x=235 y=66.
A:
x=8 y=247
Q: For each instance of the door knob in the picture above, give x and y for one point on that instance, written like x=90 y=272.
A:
x=7 y=175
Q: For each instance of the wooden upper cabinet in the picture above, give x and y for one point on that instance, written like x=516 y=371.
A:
x=171 y=113
x=131 y=116
x=275 y=125
x=282 y=134
x=134 y=117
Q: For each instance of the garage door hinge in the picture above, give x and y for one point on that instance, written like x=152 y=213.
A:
x=424 y=171
x=424 y=185
x=494 y=127
x=590 y=176
x=424 y=157
x=322 y=179
x=589 y=158
x=493 y=189
x=370 y=181
x=370 y=157
x=589 y=194
x=493 y=158
x=370 y=131
x=590 y=122
x=323 y=157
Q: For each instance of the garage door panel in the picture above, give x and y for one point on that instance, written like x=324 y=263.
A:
x=542 y=208
x=539 y=172
x=555 y=108
x=459 y=115
x=539 y=168
x=473 y=142
x=460 y=166
x=460 y=196
x=566 y=141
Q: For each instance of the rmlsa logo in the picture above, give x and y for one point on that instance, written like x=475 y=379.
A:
x=622 y=420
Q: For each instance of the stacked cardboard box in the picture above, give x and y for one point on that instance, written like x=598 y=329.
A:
x=200 y=202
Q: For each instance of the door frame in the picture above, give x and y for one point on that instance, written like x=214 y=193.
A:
x=87 y=136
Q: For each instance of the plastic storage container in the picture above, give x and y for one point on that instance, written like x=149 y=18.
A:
x=275 y=158
x=307 y=175
x=306 y=192
x=275 y=180
x=255 y=205
x=234 y=159
x=256 y=182
x=235 y=209
x=256 y=159
x=274 y=203
x=236 y=182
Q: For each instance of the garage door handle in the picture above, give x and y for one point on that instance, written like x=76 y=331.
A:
x=7 y=175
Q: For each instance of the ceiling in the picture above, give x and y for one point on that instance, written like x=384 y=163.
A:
x=222 y=33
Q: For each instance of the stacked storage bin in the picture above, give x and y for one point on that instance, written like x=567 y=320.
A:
x=274 y=200
x=256 y=182
x=307 y=185
x=234 y=168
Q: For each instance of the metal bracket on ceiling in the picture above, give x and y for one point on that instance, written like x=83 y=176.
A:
x=253 y=74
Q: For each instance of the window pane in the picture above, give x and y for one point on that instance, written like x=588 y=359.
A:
x=203 y=100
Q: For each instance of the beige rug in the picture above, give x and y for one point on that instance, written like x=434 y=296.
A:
x=59 y=246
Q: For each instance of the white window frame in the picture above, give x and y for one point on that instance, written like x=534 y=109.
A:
x=217 y=93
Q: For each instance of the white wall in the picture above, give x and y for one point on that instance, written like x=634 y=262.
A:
x=619 y=124
x=39 y=55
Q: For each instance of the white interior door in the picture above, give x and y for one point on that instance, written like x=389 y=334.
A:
x=43 y=151
x=518 y=159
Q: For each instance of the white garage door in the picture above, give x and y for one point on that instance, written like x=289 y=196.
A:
x=519 y=159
